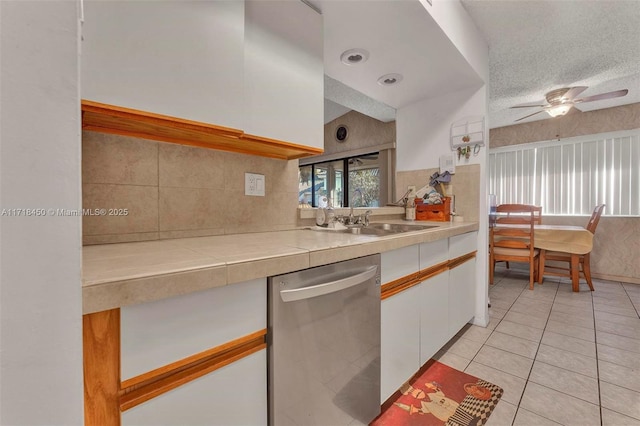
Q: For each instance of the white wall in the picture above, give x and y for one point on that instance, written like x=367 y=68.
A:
x=456 y=23
x=40 y=257
x=423 y=128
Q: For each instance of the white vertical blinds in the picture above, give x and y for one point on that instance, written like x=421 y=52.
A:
x=571 y=177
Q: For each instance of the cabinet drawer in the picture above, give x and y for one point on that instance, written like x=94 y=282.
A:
x=463 y=244
x=399 y=263
x=159 y=333
x=434 y=253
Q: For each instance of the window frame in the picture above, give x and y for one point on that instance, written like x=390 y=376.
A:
x=570 y=162
x=386 y=163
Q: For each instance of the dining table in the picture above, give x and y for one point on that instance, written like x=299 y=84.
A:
x=574 y=240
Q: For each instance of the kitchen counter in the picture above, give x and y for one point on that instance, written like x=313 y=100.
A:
x=117 y=275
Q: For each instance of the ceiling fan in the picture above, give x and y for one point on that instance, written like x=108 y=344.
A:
x=560 y=101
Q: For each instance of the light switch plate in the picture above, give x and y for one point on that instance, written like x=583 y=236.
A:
x=254 y=184
x=447 y=164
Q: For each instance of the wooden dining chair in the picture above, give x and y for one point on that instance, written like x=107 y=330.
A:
x=512 y=216
x=584 y=267
x=512 y=213
x=514 y=243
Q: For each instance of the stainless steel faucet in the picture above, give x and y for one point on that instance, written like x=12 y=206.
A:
x=366 y=218
x=351 y=219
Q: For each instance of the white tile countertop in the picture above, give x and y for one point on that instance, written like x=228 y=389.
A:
x=116 y=275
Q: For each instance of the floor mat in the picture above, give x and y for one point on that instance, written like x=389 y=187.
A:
x=440 y=395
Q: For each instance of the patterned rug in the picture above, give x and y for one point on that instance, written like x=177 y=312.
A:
x=440 y=395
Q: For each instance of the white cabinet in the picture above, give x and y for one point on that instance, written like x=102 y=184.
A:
x=434 y=315
x=462 y=282
x=434 y=299
x=399 y=263
x=233 y=395
x=400 y=321
x=419 y=320
x=434 y=253
x=250 y=72
x=284 y=74
x=159 y=333
x=178 y=58
x=462 y=293
x=462 y=244
x=400 y=343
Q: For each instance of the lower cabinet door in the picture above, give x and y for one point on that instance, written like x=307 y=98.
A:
x=400 y=344
x=158 y=333
x=232 y=395
x=462 y=292
x=434 y=315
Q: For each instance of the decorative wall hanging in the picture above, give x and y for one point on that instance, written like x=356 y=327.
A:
x=467 y=135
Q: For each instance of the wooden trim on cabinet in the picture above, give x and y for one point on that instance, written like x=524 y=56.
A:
x=146 y=386
x=280 y=149
x=433 y=271
x=101 y=351
x=105 y=396
x=396 y=286
x=401 y=284
x=117 y=120
x=462 y=259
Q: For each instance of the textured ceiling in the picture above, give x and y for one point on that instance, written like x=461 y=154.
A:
x=538 y=46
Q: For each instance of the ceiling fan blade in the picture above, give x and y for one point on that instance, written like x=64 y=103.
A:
x=540 y=104
x=529 y=106
x=601 y=96
x=527 y=116
x=574 y=91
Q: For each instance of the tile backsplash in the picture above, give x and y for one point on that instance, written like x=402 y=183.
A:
x=174 y=191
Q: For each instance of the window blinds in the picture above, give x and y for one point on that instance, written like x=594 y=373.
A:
x=571 y=177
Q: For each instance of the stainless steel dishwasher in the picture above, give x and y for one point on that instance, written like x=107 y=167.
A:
x=324 y=344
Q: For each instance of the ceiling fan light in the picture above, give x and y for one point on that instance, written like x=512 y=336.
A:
x=559 y=110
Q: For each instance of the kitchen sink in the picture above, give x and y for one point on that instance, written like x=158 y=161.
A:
x=399 y=227
x=382 y=229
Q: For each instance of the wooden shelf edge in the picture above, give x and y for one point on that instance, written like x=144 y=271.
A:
x=118 y=120
x=294 y=151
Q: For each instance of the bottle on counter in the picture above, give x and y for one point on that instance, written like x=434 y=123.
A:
x=410 y=210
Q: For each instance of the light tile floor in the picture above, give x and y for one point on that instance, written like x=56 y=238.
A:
x=562 y=358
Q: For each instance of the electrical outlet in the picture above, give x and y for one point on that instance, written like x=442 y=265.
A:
x=412 y=191
x=254 y=184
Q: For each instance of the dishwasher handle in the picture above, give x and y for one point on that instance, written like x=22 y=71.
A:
x=329 y=287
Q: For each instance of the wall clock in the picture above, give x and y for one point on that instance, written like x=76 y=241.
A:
x=342 y=133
